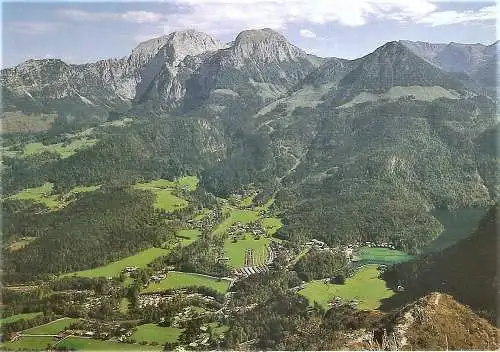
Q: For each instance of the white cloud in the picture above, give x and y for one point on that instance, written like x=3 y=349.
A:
x=32 y=28
x=142 y=16
x=453 y=17
x=130 y=16
x=278 y=13
x=230 y=16
x=307 y=33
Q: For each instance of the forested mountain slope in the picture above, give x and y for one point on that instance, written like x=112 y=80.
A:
x=467 y=270
x=352 y=150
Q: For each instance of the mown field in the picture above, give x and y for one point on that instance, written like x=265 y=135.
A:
x=188 y=236
x=35 y=343
x=177 y=280
x=165 y=199
x=365 y=287
x=83 y=344
x=43 y=195
x=236 y=215
x=17 y=317
x=65 y=150
x=154 y=333
x=124 y=304
x=272 y=225
x=387 y=256
x=235 y=251
x=52 y=328
x=141 y=260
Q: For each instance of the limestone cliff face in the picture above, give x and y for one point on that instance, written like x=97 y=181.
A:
x=122 y=79
x=258 y=63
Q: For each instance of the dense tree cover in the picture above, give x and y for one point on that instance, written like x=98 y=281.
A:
x=317 y=264
x=373 y=170
x=100 y=227
x=100 y=285
x=466 y=270
x=199 y=257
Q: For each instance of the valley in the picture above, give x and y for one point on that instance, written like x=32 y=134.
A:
x=187 y=197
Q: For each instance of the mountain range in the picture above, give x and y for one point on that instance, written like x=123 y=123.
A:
x=351 y=149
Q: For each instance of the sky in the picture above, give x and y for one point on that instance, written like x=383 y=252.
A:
x=83 y=31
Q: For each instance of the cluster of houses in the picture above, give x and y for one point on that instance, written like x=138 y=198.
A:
x=157 y=277
x=314 y=243
x=239 y=228
x=130 y=269
x=379 y=245
x=153 y=300
x=209 y=220
x=246 y=271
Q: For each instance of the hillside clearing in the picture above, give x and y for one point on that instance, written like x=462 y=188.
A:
x=365 y=287
x=235 y=251
x=140 y=260
x=52 y=328
x=154 y=333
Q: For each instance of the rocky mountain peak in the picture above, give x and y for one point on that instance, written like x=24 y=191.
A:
x=451 y=57
x=259 y=35
x=192 y=43
x=265 y=45
x=453 y=325
x=175 y=46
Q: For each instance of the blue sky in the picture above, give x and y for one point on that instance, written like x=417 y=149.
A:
x=87 y=31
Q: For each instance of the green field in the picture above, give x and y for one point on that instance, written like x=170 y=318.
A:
x=40 y=194
x=236 y=215
x=83 y=189
x=177 y=280
x=43 y=195
x=368 y=255
x=52 y=328
x=124 y=303
x=188 y=236
x=272 y=225
x=36 y=343
x=83 y=344
x=218 y=329
x=236 y=251
x=163 y=189
x=140 y=260
x=17 y=317
x=247 y=201
x=365 y=287
x=154 y=333
x=63 y=150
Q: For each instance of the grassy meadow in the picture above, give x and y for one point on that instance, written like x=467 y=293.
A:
x=165 y=199
x=235 y=251
x=140 y=260
x=64 y=150
x=35 y=343
x=385 y=256
x=188 y=236
x=83 y=344
x=52 y=328
x=154 y=333
x=365 y=287
x=236 y=215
